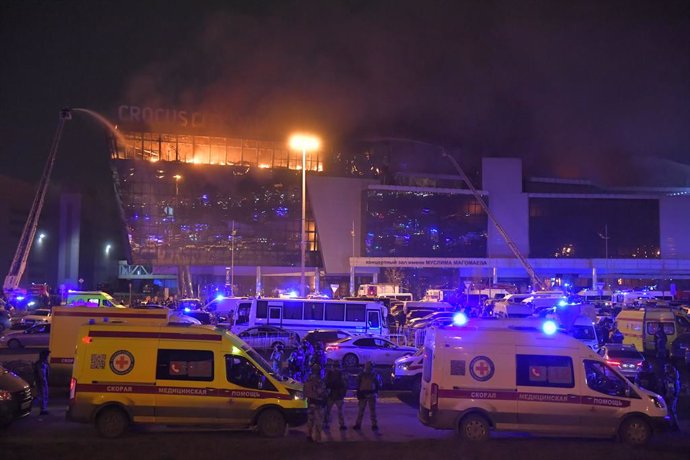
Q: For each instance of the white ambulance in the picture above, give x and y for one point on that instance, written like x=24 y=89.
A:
x=492 y=375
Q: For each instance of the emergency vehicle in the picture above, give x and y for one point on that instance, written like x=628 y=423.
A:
x=638 y=326
x=67 y=321
x=177 y=375
x=494 y=375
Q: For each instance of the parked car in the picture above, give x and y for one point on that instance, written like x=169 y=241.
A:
x=324 y=336
x=353 y=351
x=427 y=320
x=625 y=358
x=680 y=349
x=269 y=336
x=407 y=372
x=40 y=315
x=418 y=313
x=5 y=320
x=35 y=336
x=15 y=397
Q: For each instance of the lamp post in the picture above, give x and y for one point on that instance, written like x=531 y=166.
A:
x=605 y=236
x=303 y=142
x=177 y=178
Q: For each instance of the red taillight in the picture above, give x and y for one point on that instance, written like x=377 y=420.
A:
x=332 y=348
x=86 y=339
x=72 y=389
x=613 y=363
x=434 y=395
x=639 y=364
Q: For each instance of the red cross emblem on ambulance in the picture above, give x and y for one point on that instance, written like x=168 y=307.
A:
x=121 y=362
x=482 y=368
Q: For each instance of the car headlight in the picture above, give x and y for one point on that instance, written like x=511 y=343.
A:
x=658 y=401
x=296 y=394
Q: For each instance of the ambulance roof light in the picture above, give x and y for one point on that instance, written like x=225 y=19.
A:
x=549 y=327
x=459 y=319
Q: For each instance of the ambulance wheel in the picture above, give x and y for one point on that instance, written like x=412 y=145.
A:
x=112 y=422
x=271 y=424
x=474 y=428
x=14 y=344
x=635 y=431
x=350 y=360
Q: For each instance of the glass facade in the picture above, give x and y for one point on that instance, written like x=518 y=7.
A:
x=423 y=224
x=589 y=228
x=183 y=213
x=211 y=150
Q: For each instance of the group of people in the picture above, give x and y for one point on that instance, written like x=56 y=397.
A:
x=325 y=390
x=301 y=360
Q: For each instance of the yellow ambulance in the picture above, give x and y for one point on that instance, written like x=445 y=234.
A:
x=177 y=375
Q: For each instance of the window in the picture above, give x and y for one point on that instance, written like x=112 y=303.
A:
x=355 y=312
x=335 y=312
x=383 y=343
x=584 y=332
x=365 y=343
x=545 y=371
x=292 y=310
x=602 y=379
x=243 y=313
x=669 y=328
x=373 y=319
x=261 y=308
x=196 y=365
x=242 y=372
x=313 y=310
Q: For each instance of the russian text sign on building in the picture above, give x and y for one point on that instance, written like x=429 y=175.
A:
x=418 y=262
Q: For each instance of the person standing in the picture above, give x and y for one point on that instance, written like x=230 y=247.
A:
x=336 y=386
x=277 y=358
x=295 y=364
x=648 y=379
x=42 y=372
x=368 y=385
x=315 y=393
x=671 y=393
x=660 y=340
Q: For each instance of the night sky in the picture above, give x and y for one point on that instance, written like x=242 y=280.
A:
x=589 y=89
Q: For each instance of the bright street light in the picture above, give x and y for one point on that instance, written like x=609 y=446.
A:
x=303 y=142
x=108 y=247
x=177 y=178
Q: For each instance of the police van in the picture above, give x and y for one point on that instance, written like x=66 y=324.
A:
x=492 y=375
x=177 y=375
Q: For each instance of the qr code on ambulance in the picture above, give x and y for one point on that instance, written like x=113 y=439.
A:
x=98 y=361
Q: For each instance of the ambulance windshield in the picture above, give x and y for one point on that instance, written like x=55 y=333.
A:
x=262 y=363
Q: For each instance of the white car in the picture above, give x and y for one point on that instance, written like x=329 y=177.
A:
x=40 y=315
x=407 y=372
x=353 y=351
x=35 y=336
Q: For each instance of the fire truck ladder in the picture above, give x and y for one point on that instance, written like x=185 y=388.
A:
x=538 y=283
x=21 y=255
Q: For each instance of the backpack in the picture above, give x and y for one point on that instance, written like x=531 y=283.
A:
x=336 y=385
x=314 y=390
x=368 y=384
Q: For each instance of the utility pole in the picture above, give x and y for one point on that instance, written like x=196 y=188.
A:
x=606 y=239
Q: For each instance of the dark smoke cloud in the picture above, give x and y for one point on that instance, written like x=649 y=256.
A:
x=578 y=89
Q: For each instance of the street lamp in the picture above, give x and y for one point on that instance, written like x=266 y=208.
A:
x=303 y=142
x=177 y=178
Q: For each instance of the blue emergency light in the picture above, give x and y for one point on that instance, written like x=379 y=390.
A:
x=187 y=309
x=459 y=319
x=549 y=327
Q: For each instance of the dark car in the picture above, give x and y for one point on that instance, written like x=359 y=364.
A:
x=5 y=320
x=680 y=349
x=324 y=336
x=625 y=358
x=15 y=397
x=265 y=337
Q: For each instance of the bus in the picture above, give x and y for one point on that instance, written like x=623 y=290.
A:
x=302 y=315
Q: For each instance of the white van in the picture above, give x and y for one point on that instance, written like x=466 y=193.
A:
x=495 y=375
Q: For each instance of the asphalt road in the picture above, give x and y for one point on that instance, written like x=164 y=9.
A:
x=401 y=436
